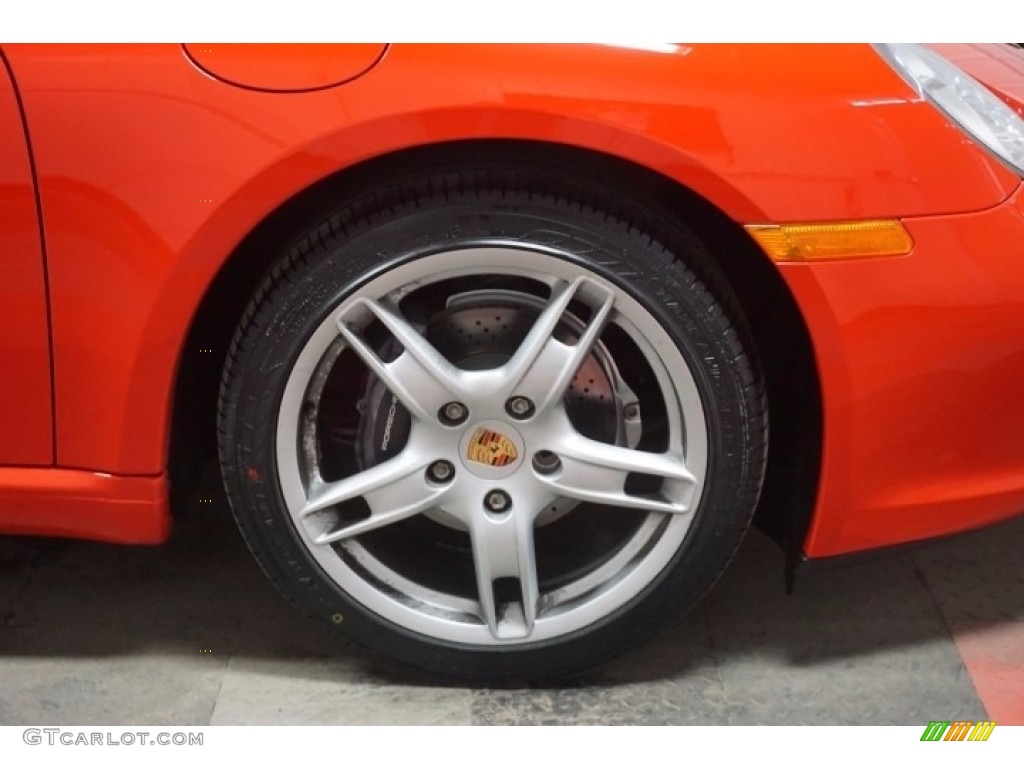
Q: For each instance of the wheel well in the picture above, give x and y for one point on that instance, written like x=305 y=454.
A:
x=776 y=326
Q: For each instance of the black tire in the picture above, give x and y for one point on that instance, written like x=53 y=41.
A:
x=635 y=248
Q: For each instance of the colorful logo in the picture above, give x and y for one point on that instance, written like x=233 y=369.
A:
x=958 y=730
x=491 y=448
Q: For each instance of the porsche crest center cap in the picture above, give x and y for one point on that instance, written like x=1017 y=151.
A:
x=491 y=449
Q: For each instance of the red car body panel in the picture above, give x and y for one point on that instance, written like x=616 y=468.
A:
x=80 y=504
x=921 y=367
x=296 y=67
x=26 y=429
x=151 y=169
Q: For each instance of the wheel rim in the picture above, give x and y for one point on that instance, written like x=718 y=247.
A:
x=511 y=466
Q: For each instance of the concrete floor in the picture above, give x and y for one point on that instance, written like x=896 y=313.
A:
x=193 y=634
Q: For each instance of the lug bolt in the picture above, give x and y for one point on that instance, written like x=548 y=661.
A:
x=631 y=411
x=441 y=471
x=453 y=413
x=497 y=501
x=519 y=407
x=546 y=462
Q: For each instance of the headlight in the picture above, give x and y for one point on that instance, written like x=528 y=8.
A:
x=980 y=114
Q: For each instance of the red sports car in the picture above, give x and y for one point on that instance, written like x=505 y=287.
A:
x=503 y=347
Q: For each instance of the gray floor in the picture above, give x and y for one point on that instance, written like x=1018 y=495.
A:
x=191 y=633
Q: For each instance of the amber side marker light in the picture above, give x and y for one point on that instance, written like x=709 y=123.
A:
x=835 y=240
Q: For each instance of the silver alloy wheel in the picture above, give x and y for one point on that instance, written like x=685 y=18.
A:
x=586 y=471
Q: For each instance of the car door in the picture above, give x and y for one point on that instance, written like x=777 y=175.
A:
x=26 y=414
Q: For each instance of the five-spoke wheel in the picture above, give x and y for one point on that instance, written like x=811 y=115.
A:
x=484 y=435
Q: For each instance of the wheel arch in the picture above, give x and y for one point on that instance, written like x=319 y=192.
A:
x=777 y=329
